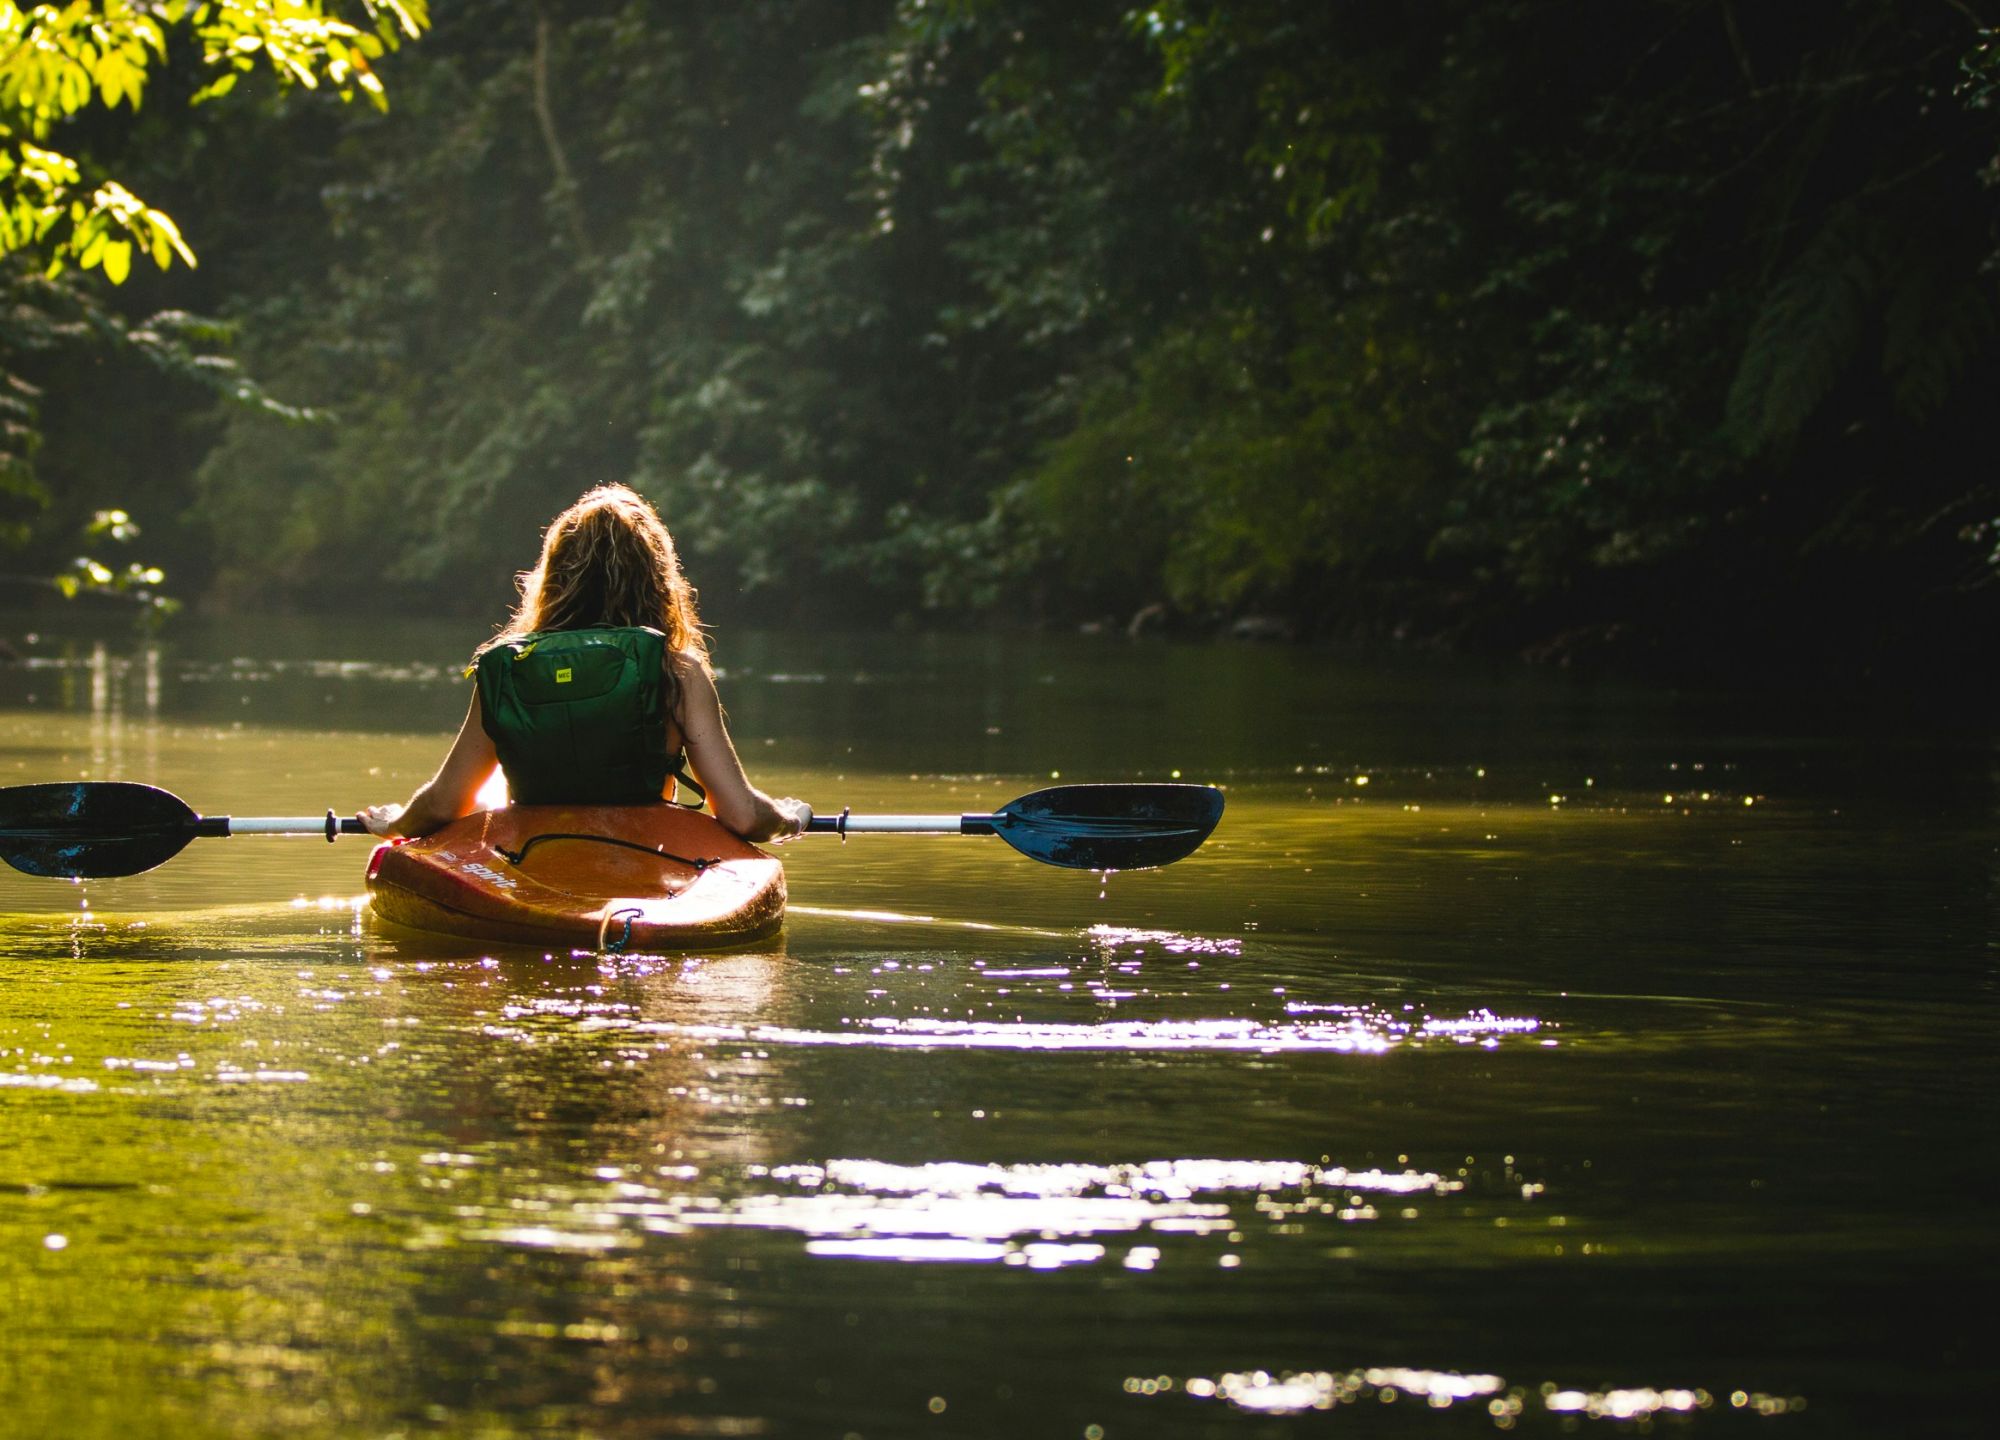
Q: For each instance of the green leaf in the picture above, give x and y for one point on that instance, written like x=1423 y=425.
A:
x=118 y=261
x=163 y=228
x=215 y=89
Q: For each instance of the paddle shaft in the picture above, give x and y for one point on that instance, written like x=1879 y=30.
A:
x=846 y=823
x=327 y=825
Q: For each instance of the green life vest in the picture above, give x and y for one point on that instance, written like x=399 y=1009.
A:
x=578 y=717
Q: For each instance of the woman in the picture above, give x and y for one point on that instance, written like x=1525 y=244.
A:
x=598 y=690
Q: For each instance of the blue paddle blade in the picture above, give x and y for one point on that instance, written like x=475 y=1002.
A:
x=1110 y=827
x=89 y=829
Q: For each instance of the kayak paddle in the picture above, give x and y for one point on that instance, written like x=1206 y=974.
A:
x=1080 y=827
x=101 y=828
x=79 y=829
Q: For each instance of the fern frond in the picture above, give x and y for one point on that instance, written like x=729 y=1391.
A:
x=1934 y=331
x=1807 y=332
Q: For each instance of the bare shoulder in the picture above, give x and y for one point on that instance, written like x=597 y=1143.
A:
x=693 y=677
x=690 y=667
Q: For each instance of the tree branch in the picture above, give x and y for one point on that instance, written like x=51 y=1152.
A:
x=566 y=196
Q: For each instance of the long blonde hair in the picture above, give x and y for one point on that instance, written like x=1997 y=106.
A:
x=608 y=560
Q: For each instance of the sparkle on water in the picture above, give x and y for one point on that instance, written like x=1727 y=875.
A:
x=1293 y=1392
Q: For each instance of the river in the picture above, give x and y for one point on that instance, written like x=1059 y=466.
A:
x=1523 y=1053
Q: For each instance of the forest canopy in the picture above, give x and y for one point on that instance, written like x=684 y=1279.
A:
x=1665 y=326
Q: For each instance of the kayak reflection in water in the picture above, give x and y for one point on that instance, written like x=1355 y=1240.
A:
x=598 y=691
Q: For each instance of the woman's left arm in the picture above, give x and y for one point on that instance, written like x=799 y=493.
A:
x=739 y=805
x=450 y=793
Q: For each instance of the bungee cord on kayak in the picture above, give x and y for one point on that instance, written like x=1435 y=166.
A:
x=517 y=857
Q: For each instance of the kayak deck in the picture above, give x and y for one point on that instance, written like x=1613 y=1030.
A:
x=605 y=877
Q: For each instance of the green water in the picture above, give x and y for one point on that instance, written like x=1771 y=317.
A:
x=1610 y=1060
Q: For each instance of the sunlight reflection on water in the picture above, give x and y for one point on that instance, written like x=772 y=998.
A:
x=968 y=1213
x=1295 y=1392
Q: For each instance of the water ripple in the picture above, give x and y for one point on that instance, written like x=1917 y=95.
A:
x=1358 y=1030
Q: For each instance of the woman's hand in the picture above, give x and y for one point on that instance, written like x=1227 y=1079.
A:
x=381 y=819
x=796 y=816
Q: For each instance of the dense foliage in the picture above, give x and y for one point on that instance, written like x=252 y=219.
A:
x=1666 y=324
x=63 y=68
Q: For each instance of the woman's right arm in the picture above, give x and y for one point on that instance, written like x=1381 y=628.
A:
x=739 y=805
x=450 y=793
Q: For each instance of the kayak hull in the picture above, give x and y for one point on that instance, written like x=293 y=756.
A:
x=600 y=877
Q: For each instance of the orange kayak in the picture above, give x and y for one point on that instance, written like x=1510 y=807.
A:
x=602 y=877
